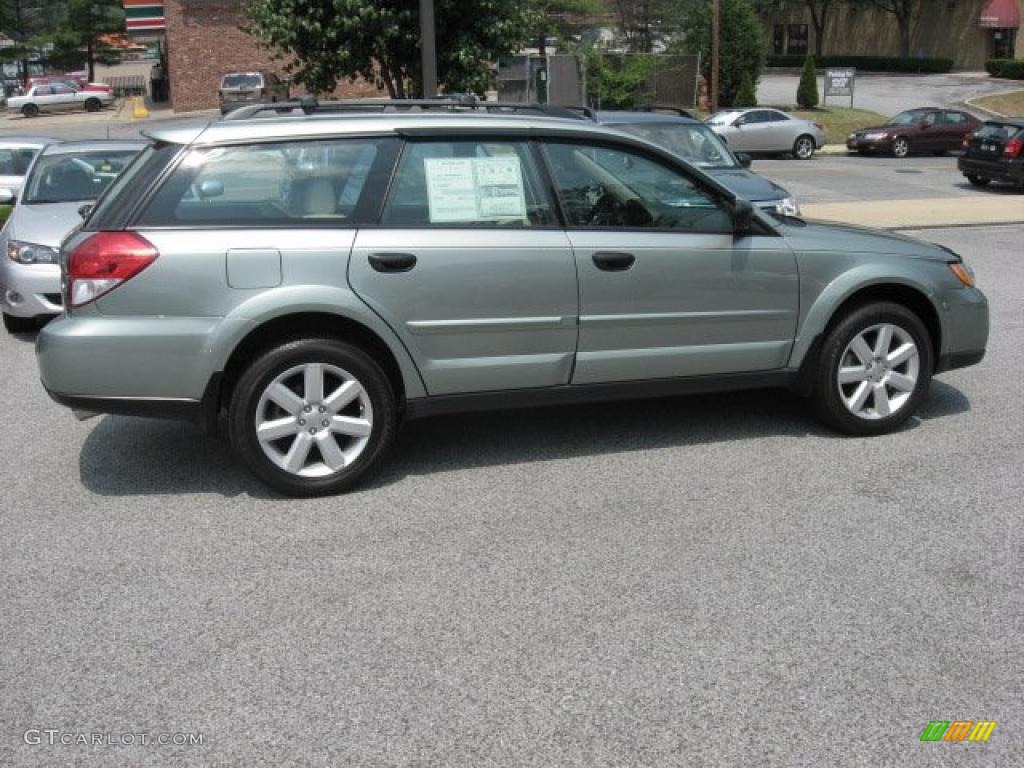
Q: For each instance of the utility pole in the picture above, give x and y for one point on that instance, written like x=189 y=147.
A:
x=428 y=44
x=714 y=56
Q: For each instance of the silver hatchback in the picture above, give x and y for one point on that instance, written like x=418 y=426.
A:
x=319 y=278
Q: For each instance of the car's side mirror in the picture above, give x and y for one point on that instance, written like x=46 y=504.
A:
x=743 y=159
x=742 y=217
x=85 y=210
x=740 y=122
x=211 y=188
x=7 y=196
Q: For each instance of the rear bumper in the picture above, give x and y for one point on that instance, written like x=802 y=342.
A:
x=1011 y=171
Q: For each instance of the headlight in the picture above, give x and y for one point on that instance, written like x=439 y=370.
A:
x=787 y=207
x=30 y=253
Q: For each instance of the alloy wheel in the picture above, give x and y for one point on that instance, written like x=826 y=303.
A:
x=804 y=148
x=901 y=147
x=313 y=420
x=878 y=371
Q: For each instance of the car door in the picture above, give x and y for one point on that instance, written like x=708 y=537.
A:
x=747 y=135
x=666 y=288
x=65 y=98
x=42 y=97
x=778 y=131
x=955 y=127
x=470 y=268
x=929 y=133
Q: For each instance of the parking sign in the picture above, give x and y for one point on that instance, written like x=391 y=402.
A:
x=839 y=82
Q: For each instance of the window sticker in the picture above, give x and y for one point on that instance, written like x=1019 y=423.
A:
x=473 y=189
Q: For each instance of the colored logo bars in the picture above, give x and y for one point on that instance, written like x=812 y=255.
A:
x=960 y=730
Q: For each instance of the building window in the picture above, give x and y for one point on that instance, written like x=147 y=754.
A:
x=797 y=39
x=1003 y=43
x=779 y=40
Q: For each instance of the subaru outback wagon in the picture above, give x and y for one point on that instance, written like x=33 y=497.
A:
x=320 y=278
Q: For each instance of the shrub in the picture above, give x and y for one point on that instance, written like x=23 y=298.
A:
x=741 y=47
x=807 y=91
x=746 y=96
x=868 y=63
x=1011 y=68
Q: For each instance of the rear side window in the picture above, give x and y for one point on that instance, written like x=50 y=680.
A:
x=122 y=196
x=288 y=184
x=468 y=184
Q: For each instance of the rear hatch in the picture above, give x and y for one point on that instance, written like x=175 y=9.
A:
x=242 y=88
x=989 y=142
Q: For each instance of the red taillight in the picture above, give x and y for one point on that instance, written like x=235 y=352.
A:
x=819 y=126
x=1013 y=147
x=102 y=262
x=967 y=139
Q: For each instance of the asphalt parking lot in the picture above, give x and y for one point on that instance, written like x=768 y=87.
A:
x=712 y=580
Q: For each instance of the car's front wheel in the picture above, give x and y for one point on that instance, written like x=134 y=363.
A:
x=803 y=148
x=30 y=110
x=874 y=369
x=900 y=146
x=313 y=417
x=978 y=181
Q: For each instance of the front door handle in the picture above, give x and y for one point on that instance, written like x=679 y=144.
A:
x=612 y=261
x=392 y=262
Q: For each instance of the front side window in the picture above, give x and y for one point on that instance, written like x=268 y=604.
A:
x=75 y=177
x=907 y=118
x=468 y=183
x=289 y=184
x=611 y=187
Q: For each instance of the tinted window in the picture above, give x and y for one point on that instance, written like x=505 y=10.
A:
x=907 y=118
x=954 y=118
x=468 y=183
x=74 y=177
x=694 y=142
x=242 y=81
x=306 y=184
x=601 y=187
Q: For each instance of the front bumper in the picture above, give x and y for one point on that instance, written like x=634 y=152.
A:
x=965 y=329
x=861 y=144
x=1011 y=171
x=30 y=290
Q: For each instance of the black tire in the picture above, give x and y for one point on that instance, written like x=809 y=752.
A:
x=15 y=324
x=244 y=405
x=900 y=146
x=827 y=396
x=978 y=181
x=804 y=147
x=939 y=152
x=30 y=110
x=93 y=105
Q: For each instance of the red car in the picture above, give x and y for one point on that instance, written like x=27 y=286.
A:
x=929 y=129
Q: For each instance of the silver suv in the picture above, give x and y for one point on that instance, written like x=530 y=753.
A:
x=322 y=277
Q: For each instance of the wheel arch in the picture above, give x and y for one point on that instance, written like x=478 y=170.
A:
x=278 y=329
x=913 y=297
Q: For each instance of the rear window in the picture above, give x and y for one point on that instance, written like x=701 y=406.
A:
x=999 y=131
x=284 y=184
x=242 y=81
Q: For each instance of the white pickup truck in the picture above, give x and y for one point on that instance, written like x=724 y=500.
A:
x=58 y=97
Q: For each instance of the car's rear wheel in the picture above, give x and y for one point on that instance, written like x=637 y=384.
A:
x=92 y=105
x=14 y=324
x=30 y=110
x=312 y=417
x=900 y=146
x=978 y=181
x=874 y=369
x=803 y=147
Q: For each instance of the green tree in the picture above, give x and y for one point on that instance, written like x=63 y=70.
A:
x=379 y=40
x=80 y=31
x=807 y=91
x=25 y=22
x=746 y=96
x=617 y=82
x=741 y=46
x=646 y=24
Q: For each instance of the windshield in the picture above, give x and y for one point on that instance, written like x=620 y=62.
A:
x=74 y=177
x=693 y=142
x=242 y=81
x=907 y=118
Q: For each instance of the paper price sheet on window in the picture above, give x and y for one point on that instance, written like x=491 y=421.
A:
x=475 y=189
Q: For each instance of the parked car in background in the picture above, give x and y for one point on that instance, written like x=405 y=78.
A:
x=68 y=80
x=760 y=130
x=471 y=261
x=238 y=89
x=926 y=129
x=696 y=143
x=16 y=155
x=58 y=97
x=995 y=152
x=61 y=179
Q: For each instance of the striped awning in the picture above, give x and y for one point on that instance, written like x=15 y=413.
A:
x=144 y=15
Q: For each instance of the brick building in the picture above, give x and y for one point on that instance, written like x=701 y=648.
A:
x=204 y=41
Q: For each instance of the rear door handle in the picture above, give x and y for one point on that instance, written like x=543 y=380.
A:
x=392 y=262
x=612 y=261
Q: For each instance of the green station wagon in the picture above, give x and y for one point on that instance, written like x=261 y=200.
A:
x=319 y=277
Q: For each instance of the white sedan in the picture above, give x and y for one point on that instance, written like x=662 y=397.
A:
x=768 y=130
x=58 y=97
